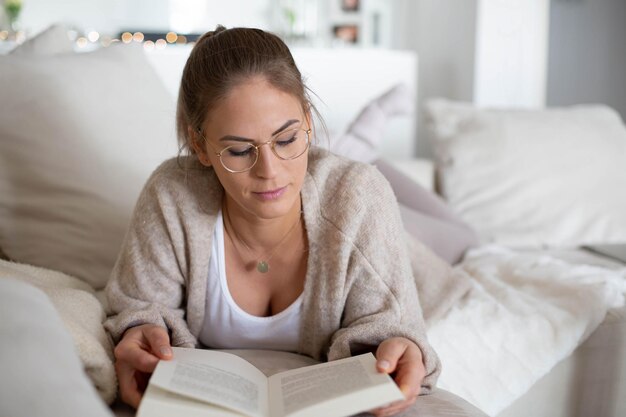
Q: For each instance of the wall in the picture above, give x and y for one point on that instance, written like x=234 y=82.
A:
x=587 y=53
x=111 y=16
x=443 y=34
x=511 y=53
x=102 y=15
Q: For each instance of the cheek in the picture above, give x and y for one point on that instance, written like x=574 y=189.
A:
x=233 y=183
x=298 y=170
x=305 y=164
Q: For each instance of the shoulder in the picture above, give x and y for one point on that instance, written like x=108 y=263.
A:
x=341 y=182
x=182 y=181
x=351 y=197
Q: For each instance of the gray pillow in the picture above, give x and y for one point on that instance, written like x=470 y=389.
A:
x=41 y=372
x=50 y=41
x=428 y=218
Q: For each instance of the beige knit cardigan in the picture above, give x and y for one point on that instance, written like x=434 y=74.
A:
x=359 y=288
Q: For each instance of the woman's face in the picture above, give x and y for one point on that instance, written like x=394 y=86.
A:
x=255 y=111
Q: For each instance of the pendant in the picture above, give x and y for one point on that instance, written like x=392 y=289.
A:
x=262 y=267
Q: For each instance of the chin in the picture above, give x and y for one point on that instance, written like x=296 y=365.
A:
x=271 y=209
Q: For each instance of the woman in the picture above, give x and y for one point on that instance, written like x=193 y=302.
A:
x=257 y=239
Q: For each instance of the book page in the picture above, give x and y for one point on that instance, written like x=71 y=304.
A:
x=157 y=402
x=214 y=377
x=337 y=388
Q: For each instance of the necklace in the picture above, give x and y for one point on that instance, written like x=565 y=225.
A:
x=262 y=265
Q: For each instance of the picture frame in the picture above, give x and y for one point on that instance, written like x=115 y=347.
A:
x=350 y=5
x=346 y=33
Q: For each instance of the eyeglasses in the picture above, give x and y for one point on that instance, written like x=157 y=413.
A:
x=286 y=145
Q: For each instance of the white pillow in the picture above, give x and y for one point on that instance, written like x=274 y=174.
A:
x=554 y=177
x=79 y=135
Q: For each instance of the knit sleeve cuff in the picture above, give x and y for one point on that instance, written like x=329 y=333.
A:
x=175 y=324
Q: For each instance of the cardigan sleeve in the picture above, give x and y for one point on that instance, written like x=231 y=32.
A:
x=147 y=285
x=381 y=299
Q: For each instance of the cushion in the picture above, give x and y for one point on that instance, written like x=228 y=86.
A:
x=41 y=371
x=554 y=177
x=82 y=314
x=52 y=40
x=81 y=136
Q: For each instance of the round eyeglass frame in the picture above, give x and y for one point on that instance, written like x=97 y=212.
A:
x=271 y=142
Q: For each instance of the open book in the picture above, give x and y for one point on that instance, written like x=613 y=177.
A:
x=212 y=383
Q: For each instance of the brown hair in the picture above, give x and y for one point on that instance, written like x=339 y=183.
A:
x=224 y=58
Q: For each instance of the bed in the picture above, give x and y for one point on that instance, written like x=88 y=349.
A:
x=541 y=330
x=591 y=381
x=537 y=185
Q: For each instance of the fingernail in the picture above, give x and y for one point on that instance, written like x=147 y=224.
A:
x=166 y=351
x=384 y=364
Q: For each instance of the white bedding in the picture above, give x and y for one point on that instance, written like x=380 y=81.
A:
x=524 y=313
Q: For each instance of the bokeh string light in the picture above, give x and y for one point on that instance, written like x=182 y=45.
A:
x=90 y=39
x=150 y=41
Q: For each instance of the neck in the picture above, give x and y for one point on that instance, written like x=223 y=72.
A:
x=256 y=233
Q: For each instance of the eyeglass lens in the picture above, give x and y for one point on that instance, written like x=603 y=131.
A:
x=289 y=144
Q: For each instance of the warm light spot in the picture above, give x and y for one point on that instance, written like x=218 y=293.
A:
x=20 y=36
x=160 y=44
x=93 y=36
x=127 y=37
x=81 y=42
x=4 y=35
x=148 y=45
x=171 y=37
x=181 y=39
x=138 y=37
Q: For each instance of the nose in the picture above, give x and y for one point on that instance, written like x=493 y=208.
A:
x=265 y=166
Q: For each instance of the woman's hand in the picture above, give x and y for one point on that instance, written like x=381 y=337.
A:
x=136 y=356
x=403 y=358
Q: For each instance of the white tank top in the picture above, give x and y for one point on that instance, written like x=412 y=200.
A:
x=227 y=326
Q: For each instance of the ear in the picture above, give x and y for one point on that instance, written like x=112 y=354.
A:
x=199 y=146
x=309 y=122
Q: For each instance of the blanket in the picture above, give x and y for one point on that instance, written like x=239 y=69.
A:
x=82 y=315
x=523 y=314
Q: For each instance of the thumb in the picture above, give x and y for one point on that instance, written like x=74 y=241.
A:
x=159 y=342
x=388 y=354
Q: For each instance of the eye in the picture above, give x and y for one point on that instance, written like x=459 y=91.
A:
x=239 y=150
x=287 y=138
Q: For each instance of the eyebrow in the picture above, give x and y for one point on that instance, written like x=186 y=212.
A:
x=242 y=139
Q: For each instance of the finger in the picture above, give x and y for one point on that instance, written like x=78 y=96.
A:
x=159 y=342
x=134 y=356
x=394 y=408
x=129 y=391
x=410 y=373
x=389 y=405
x=388 y=354
x=141 y=380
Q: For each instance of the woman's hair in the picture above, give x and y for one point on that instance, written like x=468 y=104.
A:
x=225 y=58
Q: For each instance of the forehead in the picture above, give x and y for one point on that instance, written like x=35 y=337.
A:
x=253 y=107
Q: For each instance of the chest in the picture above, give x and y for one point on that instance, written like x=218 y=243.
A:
x=266 y=294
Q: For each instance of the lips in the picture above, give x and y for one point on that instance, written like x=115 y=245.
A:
x=270 y=194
